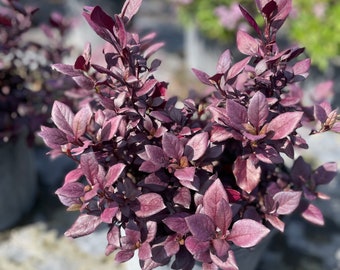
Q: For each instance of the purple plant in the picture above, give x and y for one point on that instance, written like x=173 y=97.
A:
x=188 y=179
x=28 y=85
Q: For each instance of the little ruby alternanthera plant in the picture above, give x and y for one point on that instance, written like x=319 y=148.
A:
x=186 y=182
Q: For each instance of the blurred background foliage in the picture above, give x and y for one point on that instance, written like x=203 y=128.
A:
x=312 y=24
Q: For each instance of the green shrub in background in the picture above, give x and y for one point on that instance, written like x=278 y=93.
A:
x=316 y=25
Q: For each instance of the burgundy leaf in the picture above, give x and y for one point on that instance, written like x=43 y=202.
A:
x=224 y=62
x=246 y=44
x=114 y=173
x=211 y=199
x=172 y=146
x=258 y=110
x=197 y=146
x=287 y=201
x=150 y=204
x=284 y=124
x=62 y=116
x=201 y=226
x=247 y=233
x=246 y=173
x=185 y=174
x=325 y=173
x=302 y=67
x=84 y=225
x=219 y=134
x=81 y=120
x=144 y=251
x=171 y=245
x=313 y=215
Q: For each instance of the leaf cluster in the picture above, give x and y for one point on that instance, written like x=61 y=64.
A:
x=189 y=179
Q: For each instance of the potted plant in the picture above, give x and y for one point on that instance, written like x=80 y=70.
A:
x=27 y=91
x=189 y=182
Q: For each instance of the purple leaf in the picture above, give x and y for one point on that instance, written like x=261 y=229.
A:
x=152 y=49
x=246 y=44
x=114 y=173
x=325 y=173
x=197 y=146
x=177 y=223
x=201 y=226
x=52 y=137
x=84 y=225
x=185 y=174
x=196 y=246
x=302 y=67
x=211 y=199
x=203 y=77
x=67 y=70
x=287 y=201
x=130 y=8
x=84 y=82
x=73 y=175
x=276 y=222
x=183 y=197
x=89 y=165
x=250 y=20
x=100 y=22
x=284 y=124
x=149 y=167
x=237 y=68
x=268 y=154
x=156 y=155
x=110 y=128
x=109 y=213
x=147 y=87
x=124 y=255
x=62 y=116
x=313 y=215
x=81 y=120
x=229 y=264
x=70 y=193
x=224 y=62
x=150 y=204
x=258 y=110
x=172 y=146
x=246 y=173
x=235 y=115
x=247 y=233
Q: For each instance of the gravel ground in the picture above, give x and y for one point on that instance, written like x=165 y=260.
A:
x=37 y=242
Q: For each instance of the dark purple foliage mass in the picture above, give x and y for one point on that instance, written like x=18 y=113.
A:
x=191 y=181
x=28 y=86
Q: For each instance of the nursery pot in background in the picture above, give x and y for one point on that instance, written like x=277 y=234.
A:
x=18 y=181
